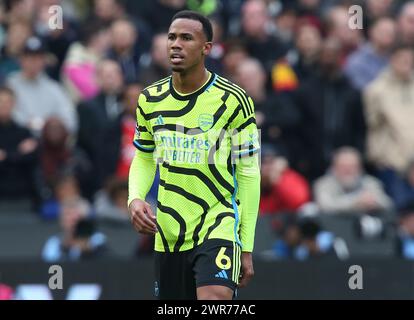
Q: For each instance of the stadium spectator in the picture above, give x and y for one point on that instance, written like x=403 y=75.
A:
x=406 y=24
x=79 y=239
x=282 y=189
x=21 y=10
x=376 y=10
x=57 y=40
x=160 y=12
x=289 y=239
x=260 y=42
x=99 y=134
x=369 y=60
x=126 y=48
x=64 y=187
x=128 y=126
x=332 y=113
x=158 y=67
x=316 y=242
x=389 y=110
x=405 y=235
x=81 y=63
x=303 y=238
x=301 y=61
x=17 y=153
x=214 y=59
x=235 y=54
x=229 y=14
x=276 y=114
x=346 y=188
x=285 y=17
x=401 y=188
x=310 y=9
x=17 y=34
x=107 y=11
x=336 y=26
x=38 y=97
x=111 y=203
x=58 y=156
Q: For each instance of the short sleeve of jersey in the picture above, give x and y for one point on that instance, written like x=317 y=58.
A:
x=143 y=138
x=244 y=133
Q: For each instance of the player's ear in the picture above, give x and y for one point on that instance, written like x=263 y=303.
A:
x=207 y=48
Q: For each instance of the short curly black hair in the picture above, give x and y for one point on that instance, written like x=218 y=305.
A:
x=193 y=15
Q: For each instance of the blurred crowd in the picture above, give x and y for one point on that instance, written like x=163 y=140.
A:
x=335 y=106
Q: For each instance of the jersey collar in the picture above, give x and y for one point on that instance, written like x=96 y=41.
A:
x=194 y=94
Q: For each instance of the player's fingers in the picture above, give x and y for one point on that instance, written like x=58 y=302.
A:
x=142 y=221
x=145 y=230
x=141 y=227
x=246 y=276
x=145 y=222
x=150 y=214
x=137 y=221
x=148 y=222
x=136 y=225
x=242 y=282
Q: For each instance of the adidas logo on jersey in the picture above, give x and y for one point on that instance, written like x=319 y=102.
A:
x=222 y=274
x=159 y=121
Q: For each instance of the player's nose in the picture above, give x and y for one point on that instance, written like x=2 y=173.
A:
x=176 y=44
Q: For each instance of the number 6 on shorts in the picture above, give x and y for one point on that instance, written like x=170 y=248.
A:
x=221 y=257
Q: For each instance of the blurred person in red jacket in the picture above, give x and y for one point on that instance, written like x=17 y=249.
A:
x=127 y=127
x=282 y=189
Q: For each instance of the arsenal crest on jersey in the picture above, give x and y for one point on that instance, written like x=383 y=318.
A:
x=205 y=121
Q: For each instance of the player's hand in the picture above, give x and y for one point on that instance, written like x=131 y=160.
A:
x=142 y=217
x=247 y=271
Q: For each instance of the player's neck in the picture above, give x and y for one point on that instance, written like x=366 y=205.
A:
x=189 y=81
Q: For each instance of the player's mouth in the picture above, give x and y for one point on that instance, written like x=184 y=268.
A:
x=176 y=58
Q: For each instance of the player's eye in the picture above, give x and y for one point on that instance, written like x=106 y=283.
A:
x=171 y=37
x=187 y=37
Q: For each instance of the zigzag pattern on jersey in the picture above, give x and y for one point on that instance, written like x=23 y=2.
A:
x=191 y=197
x=202 y=203
x=157 y=84
x=237 y=92
x=163 y=239
x=244 y=106
x=196 y=130
x=213 y=169
x=216 y=223
x=203 y=178
x=177 y=217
